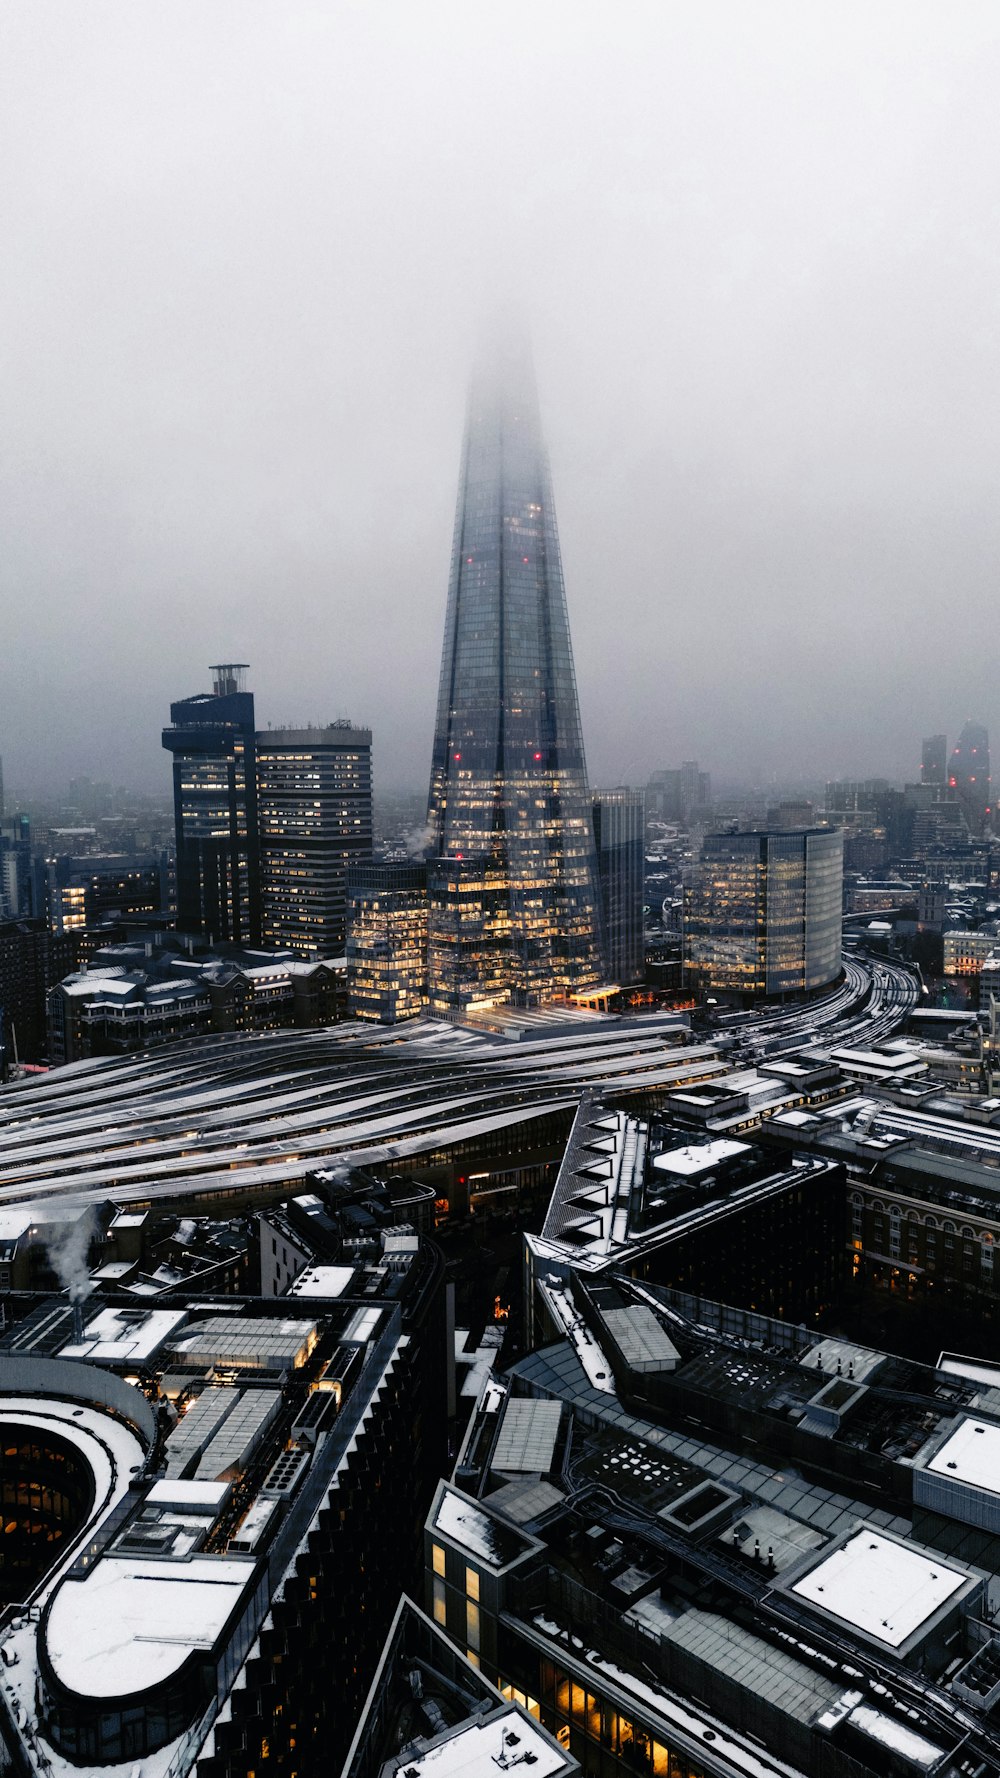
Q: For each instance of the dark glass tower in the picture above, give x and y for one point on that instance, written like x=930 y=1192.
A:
x=212 y=740
x=620 y=837
x=969 y=776
x=512 y=889
x=934 y=760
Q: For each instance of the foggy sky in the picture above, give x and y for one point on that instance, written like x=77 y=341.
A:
x=244 y=253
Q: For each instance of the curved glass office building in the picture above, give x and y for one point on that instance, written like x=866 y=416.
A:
x=513 y=906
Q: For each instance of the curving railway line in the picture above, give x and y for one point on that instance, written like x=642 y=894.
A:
x=216 y=1118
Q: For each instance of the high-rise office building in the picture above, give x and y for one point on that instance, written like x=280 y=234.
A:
x=677 y=795
x=513 y=913
x=969 y=776
x=17 y=897
x=934 y=760
x=620 y=838
x=212 y=741
x=763 y=916
x=314 y=803
x=32 y=960
x=387 y=941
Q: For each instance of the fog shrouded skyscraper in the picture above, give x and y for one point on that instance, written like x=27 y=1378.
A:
x=969 y=775
x=934 y=760
x=513 y=908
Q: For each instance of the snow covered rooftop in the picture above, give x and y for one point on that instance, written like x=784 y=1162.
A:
x=698 y=1157
x=478 y=1749
x=125 y=1336
x=143 y=1619
x=883 y=1587
x=322 y=1281
x=201 y=1496
x=477 y=1531
x=14 y=1224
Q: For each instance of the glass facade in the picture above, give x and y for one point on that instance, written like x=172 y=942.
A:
x=934 y=760
x=212 y=741
x=969 y=776
x=763 y=917
x=620 y=838
x=314 y=798
x=46 y=1492
x=387 y=941
x=513 y=910
x=724 y=922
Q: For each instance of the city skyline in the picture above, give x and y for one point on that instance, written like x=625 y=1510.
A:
x=499 y=1191
x=758 y=263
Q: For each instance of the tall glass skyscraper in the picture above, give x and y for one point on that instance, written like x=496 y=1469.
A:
x=969 y=776
x=934 y=760
x=212 y=740
x=314 y=801
x=620 y=836
x=513 y=907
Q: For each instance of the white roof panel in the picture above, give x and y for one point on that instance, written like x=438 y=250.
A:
x=143 y=1619
x=322 y=1281
x=698 y=1157
x=476 y=1750
x=884 y=1588
x=971 y=1455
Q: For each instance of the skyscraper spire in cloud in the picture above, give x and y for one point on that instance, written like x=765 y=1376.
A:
x=513 y=898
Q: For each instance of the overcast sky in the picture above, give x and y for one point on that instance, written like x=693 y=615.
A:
x=244 y=249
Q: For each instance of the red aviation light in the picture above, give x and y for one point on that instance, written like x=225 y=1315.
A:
x=538 y=756
x=952 y=783
x=457 y=756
